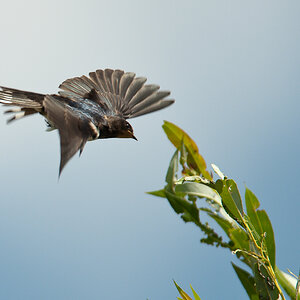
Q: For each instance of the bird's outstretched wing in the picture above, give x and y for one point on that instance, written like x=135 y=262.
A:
x=74 y=130
x=117 y=92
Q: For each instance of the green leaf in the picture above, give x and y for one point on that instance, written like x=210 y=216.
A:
x=247 y=281
x=224 y=224
x=158 y=193
x=190 y=212
x=173 y=200
x=259 y=239
x=183 y=155
x=287 y=282
x=232 y=201
x=176 y=135
x=194 y=160
x=261 y=223
x=173 y=169
x=265 y=285
x=240 y=238
x=200 y=190
x=252 y=204
x=269 y=239
x=182 y=293
x=196 y=296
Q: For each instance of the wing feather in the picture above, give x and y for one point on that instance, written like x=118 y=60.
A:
x=154 y=107
x=116 y=78
x=101 y=81
x=143 y=93
x=74 y=131
x=108 y=79
x=117 y=92
x=134 y=87
x=125 y=82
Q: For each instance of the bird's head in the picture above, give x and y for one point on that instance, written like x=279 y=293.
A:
x=118 y=128
x=124 y=129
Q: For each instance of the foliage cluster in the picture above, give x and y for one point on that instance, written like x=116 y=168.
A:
x=249 y=232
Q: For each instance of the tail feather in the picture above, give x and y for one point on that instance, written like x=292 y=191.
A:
x=28 y=102
x=19 y=113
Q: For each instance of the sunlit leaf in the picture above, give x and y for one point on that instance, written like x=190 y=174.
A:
x=218 y=171
x=159 y=193
x=194 y=159
x=193 y=178
x=176 y=135
x=182 y=293
x=196 y=296
x=247 y=281
x=200 y=190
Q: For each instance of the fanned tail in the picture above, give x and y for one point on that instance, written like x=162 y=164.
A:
x=28 y=103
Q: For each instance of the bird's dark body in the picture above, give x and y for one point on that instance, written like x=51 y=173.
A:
x=87 y=111
x=89 y=108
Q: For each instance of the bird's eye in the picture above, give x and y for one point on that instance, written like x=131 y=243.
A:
x=128 y=126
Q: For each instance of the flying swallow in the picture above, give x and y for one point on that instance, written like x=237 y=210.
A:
x=89 y=108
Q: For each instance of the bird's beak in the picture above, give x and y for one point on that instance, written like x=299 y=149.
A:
x=132 y=135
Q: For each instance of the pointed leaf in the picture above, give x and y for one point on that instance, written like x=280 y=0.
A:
x=252 y=204
x=262 y=224
x=218 y=171
x=270 y=240
x=196 y=296
x=232 y=201
x=247 y=281
x=182 y=293
x=176 y=136
x=158 y=193
x=173 y=169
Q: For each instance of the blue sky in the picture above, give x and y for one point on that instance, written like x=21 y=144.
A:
x=233 y=68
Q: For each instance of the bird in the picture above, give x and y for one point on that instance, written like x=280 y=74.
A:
x=88 y=108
